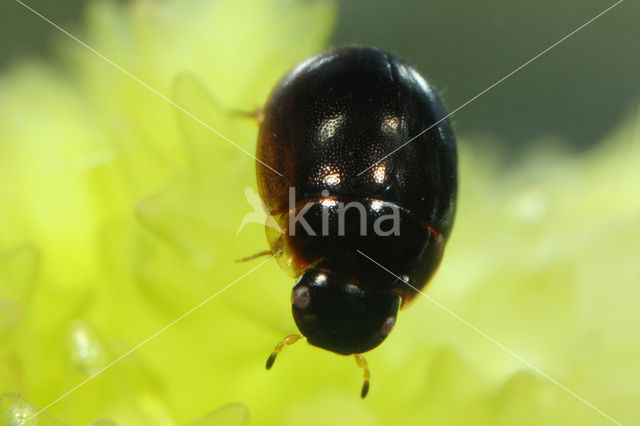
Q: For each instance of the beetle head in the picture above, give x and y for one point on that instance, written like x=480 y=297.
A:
x=334 y=313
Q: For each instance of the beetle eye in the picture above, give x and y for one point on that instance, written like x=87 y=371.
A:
x=387 y=326
x=301 y=297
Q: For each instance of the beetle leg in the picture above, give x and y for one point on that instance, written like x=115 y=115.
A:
x=367 y=375
x=290 y=339
x=257 y=113
x=254 y=256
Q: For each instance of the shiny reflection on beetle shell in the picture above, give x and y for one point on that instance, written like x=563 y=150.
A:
x=329 y=127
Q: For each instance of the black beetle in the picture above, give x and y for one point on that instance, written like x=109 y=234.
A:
x=328 y=128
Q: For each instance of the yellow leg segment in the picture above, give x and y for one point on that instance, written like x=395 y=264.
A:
x=362 y=363
x=289 y=340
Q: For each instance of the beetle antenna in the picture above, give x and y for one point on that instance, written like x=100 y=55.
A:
x=289 y=340
x=362 y=363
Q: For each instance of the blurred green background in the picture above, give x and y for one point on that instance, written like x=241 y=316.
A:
x=579 y=91
x=119 y=213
